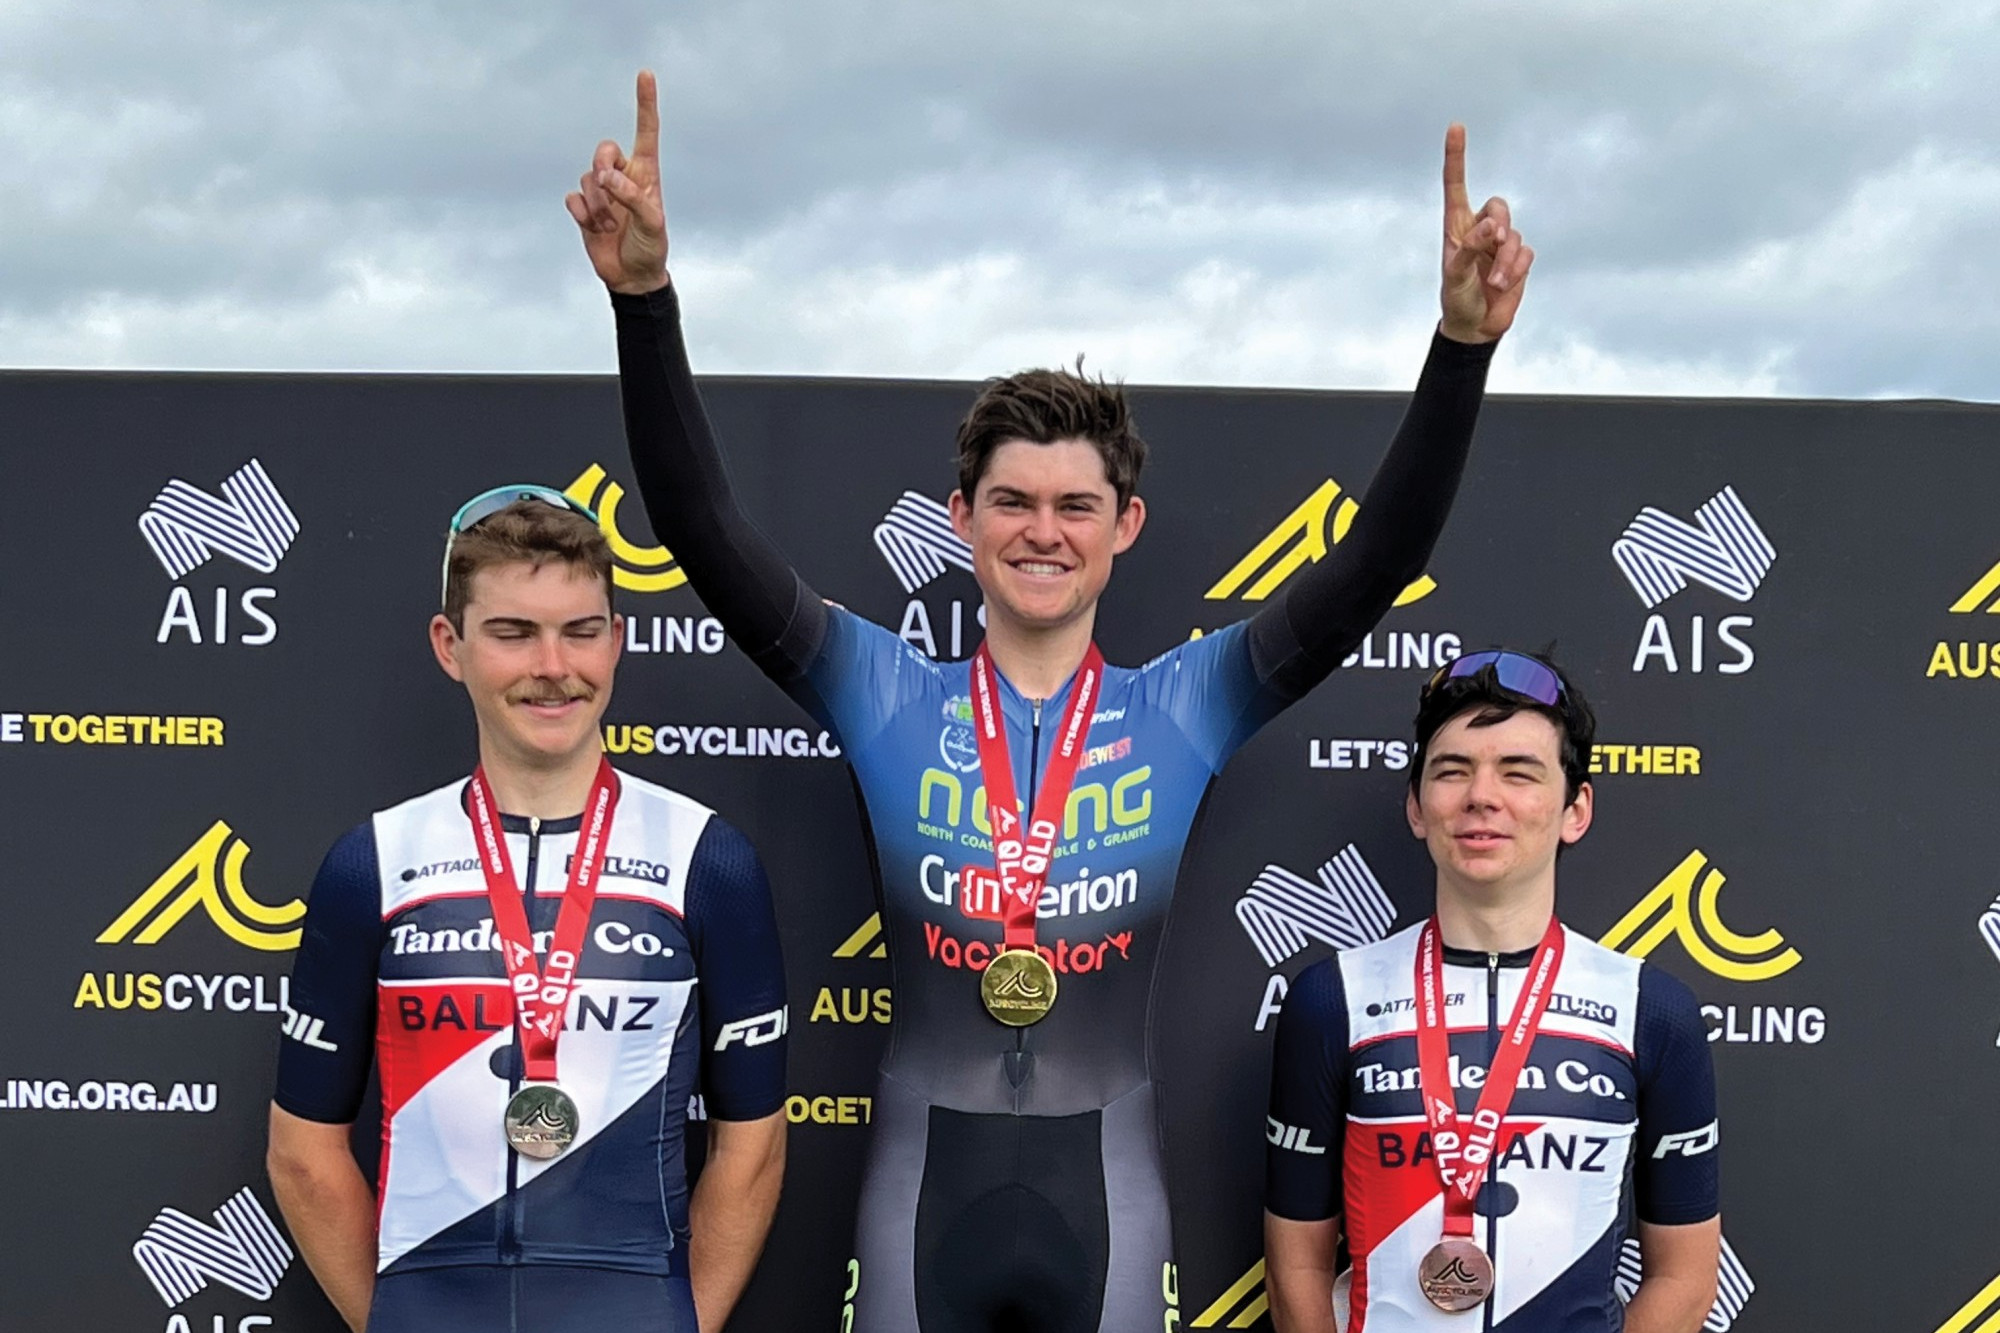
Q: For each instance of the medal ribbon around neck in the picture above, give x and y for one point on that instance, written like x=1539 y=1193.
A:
x=1463 y=1157
x=541 y=995
x=1023 y=856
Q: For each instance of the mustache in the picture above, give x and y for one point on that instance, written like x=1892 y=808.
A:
x=551 y=694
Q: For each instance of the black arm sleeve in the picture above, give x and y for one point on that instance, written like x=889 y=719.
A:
x=740 y=574
x=1326 y=609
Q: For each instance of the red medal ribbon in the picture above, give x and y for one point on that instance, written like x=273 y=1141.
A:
x=541 y=996
x=1023 y=856
x=1463 y=1158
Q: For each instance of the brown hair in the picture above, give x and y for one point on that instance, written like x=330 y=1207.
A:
x=1043 y=406
x=530 y=530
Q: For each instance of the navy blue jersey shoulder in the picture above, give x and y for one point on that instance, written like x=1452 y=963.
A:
x=1677 y=1171
x=1305 y=1130
x=323 y=1074
x=734 y=931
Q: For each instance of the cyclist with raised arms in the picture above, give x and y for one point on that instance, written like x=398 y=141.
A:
x=1015 y=1176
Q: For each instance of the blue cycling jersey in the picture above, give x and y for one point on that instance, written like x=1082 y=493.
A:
x=1158 y=737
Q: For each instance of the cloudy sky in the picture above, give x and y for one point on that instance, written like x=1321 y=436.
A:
x=1773 y=197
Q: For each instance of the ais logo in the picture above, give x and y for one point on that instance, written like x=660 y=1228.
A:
x=636 y=568
x=242 y=1250
x=1683 y=906
x=208 y=875
x=1965 y=659
x=186 y=527
x=916 y=539
x=1722 y=549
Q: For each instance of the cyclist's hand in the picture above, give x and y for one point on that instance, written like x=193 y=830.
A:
x=617 y=205
x=1485 y=261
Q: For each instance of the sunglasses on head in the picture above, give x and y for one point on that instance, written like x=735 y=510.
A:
x=1516 y=672
x=488 y=503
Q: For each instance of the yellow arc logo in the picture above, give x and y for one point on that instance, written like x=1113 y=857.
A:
x=637 y=568
x=1307 y=533
x=1988 y=586
x=1683 y=905
x=1251 y=1282
x=209 y=875
x=1985 y=1307
x=870 y=933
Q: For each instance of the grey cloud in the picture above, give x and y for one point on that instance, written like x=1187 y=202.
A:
x=292 y=164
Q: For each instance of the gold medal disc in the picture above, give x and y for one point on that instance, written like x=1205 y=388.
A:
x=1018 y=987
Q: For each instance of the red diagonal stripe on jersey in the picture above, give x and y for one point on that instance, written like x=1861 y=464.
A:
x=421 y=1031
x=1381 y=1195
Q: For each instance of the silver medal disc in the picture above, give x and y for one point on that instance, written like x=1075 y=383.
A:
x=541 y=1121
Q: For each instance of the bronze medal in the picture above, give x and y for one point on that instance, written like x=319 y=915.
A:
x=1456 y=1275
x=541 y=1121
x=1019 y=987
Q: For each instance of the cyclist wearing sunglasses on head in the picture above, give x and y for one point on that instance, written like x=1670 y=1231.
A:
x=540 y=961
x=1487 y=1103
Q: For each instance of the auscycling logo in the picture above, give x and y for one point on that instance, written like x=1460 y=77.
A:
x=635 y=568
x=1683 y=906
x=1306 y=534
x=1971 y=659
x=208 y=875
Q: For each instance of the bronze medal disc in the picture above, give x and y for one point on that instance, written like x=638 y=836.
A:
x=541 y=1121
x=1456 y=1275
x=1018 y=987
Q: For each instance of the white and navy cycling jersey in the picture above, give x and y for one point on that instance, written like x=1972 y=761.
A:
x=1612 y=1119
x=679 y=978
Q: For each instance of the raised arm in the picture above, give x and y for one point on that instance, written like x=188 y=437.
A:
x=1324 y=612
x=740 y=574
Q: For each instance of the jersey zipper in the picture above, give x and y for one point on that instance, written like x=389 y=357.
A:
x=1034 y=781
x=511 y=1215
x=1492 y=1174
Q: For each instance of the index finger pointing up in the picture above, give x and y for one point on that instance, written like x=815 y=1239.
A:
x=646 y=139
x=1455 y=201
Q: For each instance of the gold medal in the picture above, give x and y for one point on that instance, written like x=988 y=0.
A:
x=1019 y=987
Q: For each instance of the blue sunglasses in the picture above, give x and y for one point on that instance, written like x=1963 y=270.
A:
x=488 y=503
x=1516 y=672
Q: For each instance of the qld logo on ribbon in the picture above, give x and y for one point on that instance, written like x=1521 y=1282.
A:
x=243 y=1250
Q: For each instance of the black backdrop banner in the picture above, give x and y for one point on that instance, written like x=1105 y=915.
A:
x=1787 y=615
